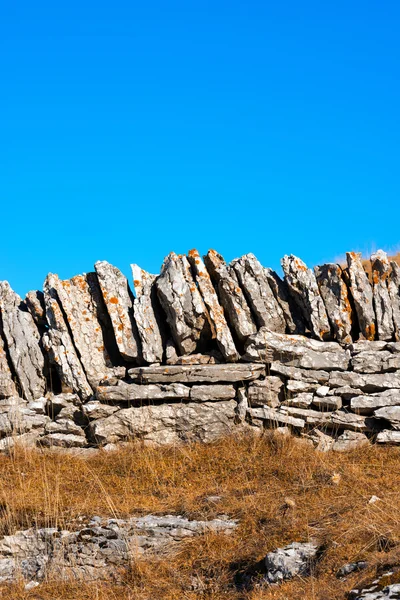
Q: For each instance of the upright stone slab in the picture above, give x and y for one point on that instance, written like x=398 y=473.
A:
x=34 y=301
x=382 y=304
x=219 y=326
x=182 y=303
x=231 y=295
x=361 y=291
x=280 y=288
x=394 y=294
x=58 y=343
x=145 y=305
x=7 y=385
x=82 y=303
x=22 y=338
x=254 y=282
x=119 y=302
x=334 y=294
x=304 y=289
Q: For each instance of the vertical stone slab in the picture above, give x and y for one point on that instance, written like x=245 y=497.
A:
x=81 y=300
x=252 y=278
x=394 y=293
x=7 y=385
x=382 y=303
x=182 y=303
x=304 y=289
x=219 y=326
x=145 y=306
x=58 y=343
x=22 y=338
x=119 y=302
x=231 y=295
x=335 y=296
x=280 y=288
x=34 y=301
x=361 y=291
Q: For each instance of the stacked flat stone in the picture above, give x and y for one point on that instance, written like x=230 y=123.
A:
x=202 y=348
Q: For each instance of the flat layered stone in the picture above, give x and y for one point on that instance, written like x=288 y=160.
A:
x=389 y=413
x=296 y=387
x=182 y=303
x=118 y=299
x=337 y=305
x=231 y=295
x=7 y=384
x=219 y=327
x=276 y=417
x=313 y=376
x=382 y=303
x=260 y=297
x=34 y=301
x=167 y=423
x=265 y=392
x=62 y=440
x=310 y=416
x=346 y=420
x=302 y=400
x=367 y=346
x=212 y=393
x=350 y=440
x=58 y=343
x=368 y=383
x=22 y=338
x=388 y=436
x=328 y=403
x=362 y=294
x=394 y=294
x=294 y=321
x=96 y=410
x=136 y=393
x=375 y=362
x=147 y=309
x=197 y=373
x=304 y=290
x=366 y=405
x=296 y=351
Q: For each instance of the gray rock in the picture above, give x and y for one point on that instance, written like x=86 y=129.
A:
x=254 y=283
x=58 y=343
x=64 y=426
x=295 y=351
x=322 y=391
x=366 y=405
x=119 y=302
x=351 y=568
x=34 y=301
x=375 y=362
x=242 y=405
x=394 y=294
x=382 y=304
x=62 y=440
x=219 y=327
x=147 y=310
x=389 y=592
x=298 y=387
x=291 y=313
x=96 y=410
x=212 y=393
x=304 y=289
x=334 y=294
x=346 y=392
x=134 y=392
x=389 y=413
x=197 y=373
x=182 y=303
x=313 y=376
x=302 y=400
x=265 y=392
x=368 y=383
x=327 y=403
x=231 y=295
x=350 y=440
x=361 y=291
x=7 y=384
x=315 y=418
x=346 y=420
x=367 y=346
x=167 y=423
x=322 y=441
x=388 y=436
x=22 y=339
x=293 y=560
x=275 y=417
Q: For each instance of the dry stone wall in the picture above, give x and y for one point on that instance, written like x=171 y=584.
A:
x=202 y=349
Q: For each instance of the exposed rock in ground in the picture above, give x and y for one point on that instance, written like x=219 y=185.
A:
x=118 y=300
x=182 y=303
x=219 y=327
x=254 y=282
x=334 y=294
x=197 y=373
x=291 y=561
x=382 y=304
x=304 y=289
x=146 y=309
x=362 y=294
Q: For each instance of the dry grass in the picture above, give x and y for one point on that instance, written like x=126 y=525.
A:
x=255 y=476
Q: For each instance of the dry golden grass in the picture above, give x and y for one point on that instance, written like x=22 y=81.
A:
x=279 y=489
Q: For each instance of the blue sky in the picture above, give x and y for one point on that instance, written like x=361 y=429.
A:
x=130 y=129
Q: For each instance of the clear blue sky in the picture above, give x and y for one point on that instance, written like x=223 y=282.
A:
x=130 y=129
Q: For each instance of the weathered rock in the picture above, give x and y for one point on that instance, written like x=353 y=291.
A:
x=294 y=320
x=304 y=289
x=366 y=405
x=327 y=403
x=313 y=376
x=182 y=303
x=62 y=440
x=382 y=304
x=297 y=387
x=276 y=417
x=334 y=294
x=311 y=417
x=254 y=282
x=134 y=392
x=375 y=362
x=362 y=294
x=394 y=294
x=64 y=426
x=322 y=391
x=219 y=327
x=368 y=346
x=389 y=413
x=322 y=441
x=293 y=560
x=242 y=405
x=265 y=392
x=7 y=385
x=119 y=302
x=22 y=339
x=368 y=383
x=96 y=410
x=350 y=440
x=58 y=343
x=388 y=436
x=147 y=313
x=212 y=393
x=351 y=568
x=197 y=373
x=230 y=293
x=302 y=400
x=375 y=591
x=295 y=350
x=346 y=420
x=346 y=392
x=34 y=301
x=171 y=355
x=212 y=358
x=167 y=423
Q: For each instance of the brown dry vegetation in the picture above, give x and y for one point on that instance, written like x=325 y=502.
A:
x=255 y=476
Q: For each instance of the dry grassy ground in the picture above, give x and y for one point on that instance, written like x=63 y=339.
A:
x=279 y=489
